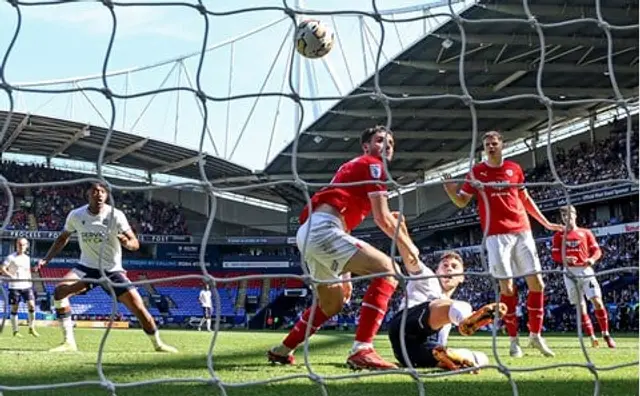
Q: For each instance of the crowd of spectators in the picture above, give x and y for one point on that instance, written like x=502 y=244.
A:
x=45 y=208
x=584 y=163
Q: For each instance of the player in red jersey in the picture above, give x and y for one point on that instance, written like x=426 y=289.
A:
x=510 y=244
x=581 y=253
x=330 y=252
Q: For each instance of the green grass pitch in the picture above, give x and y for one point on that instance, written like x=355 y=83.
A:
x=240 y=356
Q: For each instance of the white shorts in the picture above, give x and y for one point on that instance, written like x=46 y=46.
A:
x=512 y=255
x=589 y=284
x=328 y=247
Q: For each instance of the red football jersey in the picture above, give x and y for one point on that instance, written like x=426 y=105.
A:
x=507 y=213
x=580 y=243
x=351 y=202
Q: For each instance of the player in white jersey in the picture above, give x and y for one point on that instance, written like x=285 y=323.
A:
x=205 y=302
x=17 y=265
x=92 y=223
x=430 y=314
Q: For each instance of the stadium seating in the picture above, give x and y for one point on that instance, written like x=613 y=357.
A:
x=49 y=206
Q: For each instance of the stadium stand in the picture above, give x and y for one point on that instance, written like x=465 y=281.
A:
x=49 y=206
x=45 y=209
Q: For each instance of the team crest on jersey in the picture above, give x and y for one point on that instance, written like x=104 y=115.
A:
x=105 y=222
x=509 y=172
x=375 y=170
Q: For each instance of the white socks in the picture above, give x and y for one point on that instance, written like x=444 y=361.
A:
x=31 y=319
x=155 y=338
x=67 y=329
x=208 y=324
x=14 y=322
x=458 y=311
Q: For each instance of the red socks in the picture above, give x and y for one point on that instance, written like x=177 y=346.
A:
x=374 y=307
x=603 y=320
x=587 y=326
x=535 y=308
x=510 y=319
x=296 y=335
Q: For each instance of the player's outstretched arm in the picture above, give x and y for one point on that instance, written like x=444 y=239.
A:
x=386 y=221
x=459 y=198
x=533 y=210
x=55 y=249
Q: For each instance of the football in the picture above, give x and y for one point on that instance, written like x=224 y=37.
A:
x=313 y=39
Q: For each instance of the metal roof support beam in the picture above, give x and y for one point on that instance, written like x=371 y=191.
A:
x=125 y=151
x=147 y=158
x=285 y=176
x=561 y=10
x=488 y=91
x=16 y=132
x=177 y=165
x=400 y=134
x=84 y=132
x=515 y=76
x=459 y=113
x=515 y=66
x=532 y=39
x=404 y=155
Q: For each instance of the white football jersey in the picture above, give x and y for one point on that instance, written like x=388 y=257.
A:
x=422 y=290
x=92 y=230
x=20 y=267
x=205 y=298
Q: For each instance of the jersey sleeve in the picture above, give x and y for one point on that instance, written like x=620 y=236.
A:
x=122 y=223
x=374 y=170
x=70 y=223
x=556 y=248
x=467 y=188
x=592 y=244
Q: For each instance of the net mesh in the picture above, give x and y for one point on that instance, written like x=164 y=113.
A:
x=111 y=94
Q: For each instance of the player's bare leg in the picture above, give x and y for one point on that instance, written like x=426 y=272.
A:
x=509 y=297
x=535 y=308
x=587 y=325
x=132 y=300
x=31 y=321
x=603 y=321
x=72 y=285
x=369 y=260
x=330 y=301
x=14 y=321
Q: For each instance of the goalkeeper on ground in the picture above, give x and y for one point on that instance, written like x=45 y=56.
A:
x=431 y=312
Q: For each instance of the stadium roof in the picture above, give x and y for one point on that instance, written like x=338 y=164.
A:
x=55 y=138
x=501 y=59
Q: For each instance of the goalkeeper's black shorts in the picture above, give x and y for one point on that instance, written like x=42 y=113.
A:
x=420 y=339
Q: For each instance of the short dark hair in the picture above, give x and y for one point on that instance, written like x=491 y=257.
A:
x=94 y=184
x=368 y=133
x=451 y=254
x=492 y=134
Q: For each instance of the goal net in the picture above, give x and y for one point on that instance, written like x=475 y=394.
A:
x=545 y=40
